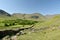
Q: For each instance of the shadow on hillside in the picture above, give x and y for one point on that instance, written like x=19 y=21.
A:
x=12 y=32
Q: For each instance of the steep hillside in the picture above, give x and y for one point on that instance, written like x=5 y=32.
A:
x=52 y=22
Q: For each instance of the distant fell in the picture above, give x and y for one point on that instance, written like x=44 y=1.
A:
x=33 y=16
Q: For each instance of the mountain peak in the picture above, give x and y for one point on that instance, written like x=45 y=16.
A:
x=2 y=12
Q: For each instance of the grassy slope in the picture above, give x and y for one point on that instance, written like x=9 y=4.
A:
x=55 y=21
x=50 y=34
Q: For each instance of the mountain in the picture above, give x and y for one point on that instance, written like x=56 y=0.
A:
x=33 y=16
x=4 y=13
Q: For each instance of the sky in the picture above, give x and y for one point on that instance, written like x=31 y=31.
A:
x=45 y=7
